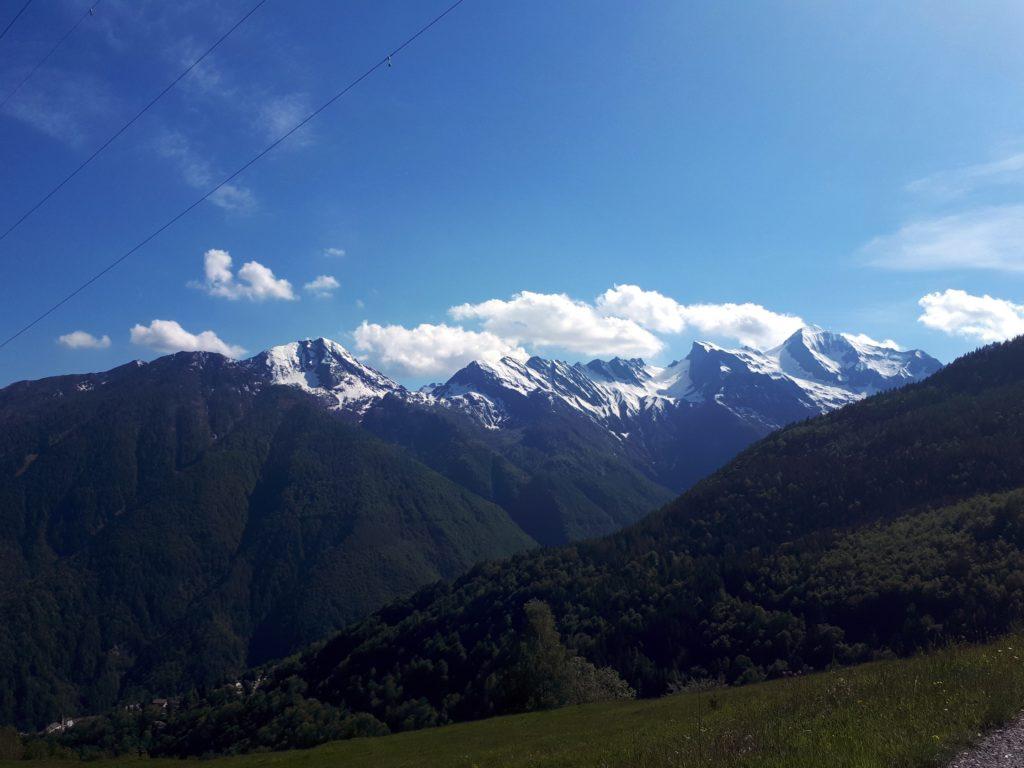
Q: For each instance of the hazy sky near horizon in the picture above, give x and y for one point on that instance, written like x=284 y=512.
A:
x=576 y=179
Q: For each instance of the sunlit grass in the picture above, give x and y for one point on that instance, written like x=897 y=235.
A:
x=898 y=714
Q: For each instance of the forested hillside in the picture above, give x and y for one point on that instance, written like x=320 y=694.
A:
x=560 y=477
x=162 y=526
x=882 y=528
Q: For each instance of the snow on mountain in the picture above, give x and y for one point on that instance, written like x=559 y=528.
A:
x=811 y=372
x=815 y=355
x=325 y=368
x=607 y=391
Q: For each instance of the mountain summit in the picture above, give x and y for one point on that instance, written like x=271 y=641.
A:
x=325 y=368
x=844 y=361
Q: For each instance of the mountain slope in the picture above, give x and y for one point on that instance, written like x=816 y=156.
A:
x=560 y=478
x=163 y=525
x=559 y=475
x=886 y=526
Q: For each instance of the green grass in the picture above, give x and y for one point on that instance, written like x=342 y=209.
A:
x=898 y=714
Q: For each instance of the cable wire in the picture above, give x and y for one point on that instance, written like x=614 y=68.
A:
x=128 y=125
x=385 y=61
x=16 y=17
x=90 y=11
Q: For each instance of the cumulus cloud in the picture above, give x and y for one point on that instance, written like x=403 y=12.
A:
x=648 y=308
x=83 y=340
x=323 y=286
x=990 y=237
x=750 y=324
x=555 y=320
x=959 y=313
x=334 y=253
x=624 y=321
x=430 y=350
x=169 y=336
x=255 y=281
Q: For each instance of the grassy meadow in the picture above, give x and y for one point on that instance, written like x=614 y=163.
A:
x=898 y=714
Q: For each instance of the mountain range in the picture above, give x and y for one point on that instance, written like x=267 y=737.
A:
x=811 y=372
x=165 y=524
x=684 y=419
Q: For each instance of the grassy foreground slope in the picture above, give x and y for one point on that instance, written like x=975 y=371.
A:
x=905 y=713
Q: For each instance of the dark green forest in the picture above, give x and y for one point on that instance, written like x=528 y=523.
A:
x=163 y=527
x=560 y=478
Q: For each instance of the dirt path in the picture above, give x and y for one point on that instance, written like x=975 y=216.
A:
x=1000 y=749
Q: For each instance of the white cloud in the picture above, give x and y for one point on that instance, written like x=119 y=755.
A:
x=863 y=338
x=750 y=324
x=231 y=197
x=255 y=281
x=1004 y=171
x=555 y=320
x=279 y=114
x=959 y=313
x=69 y=106
x=648 y=308
x=984 y=238
x=323 y=286
x=198 y=174
x=429 y=350
x=169 y=336
x=83 y=340
x=268 y=113
x=623 y=321
x=334 y=253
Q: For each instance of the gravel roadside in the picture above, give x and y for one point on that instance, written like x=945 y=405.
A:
x=1000 y=749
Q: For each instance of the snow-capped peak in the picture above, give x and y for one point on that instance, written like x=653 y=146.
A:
x=811 y=372
x=836 y=359
x=326 y=368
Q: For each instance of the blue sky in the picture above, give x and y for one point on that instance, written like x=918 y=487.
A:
x=834 y=163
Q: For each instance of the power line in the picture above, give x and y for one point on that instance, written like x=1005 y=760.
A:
x=385 y=61
x=127 y=125
x=91 y=10
x=16 y=17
